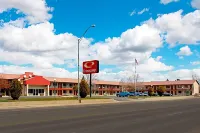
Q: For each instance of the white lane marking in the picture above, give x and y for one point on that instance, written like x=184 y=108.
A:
x=176 y=113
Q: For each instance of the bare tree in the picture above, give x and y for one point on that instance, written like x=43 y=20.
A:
x=94 y=78
x=195 y=76
x=129 y=83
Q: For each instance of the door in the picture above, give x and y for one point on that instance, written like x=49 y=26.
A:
x=59 y=92
x=35 y=92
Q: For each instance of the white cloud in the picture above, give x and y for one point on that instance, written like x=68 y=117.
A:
x=184 y=51
x=195 y=4
x=158 y=58
x=37 y=44
x=36 y=11
x=139 y=12
x=132 y=13
x=177 y=28
x=103 y=75
x=143 y=10
x=195 y=63
x=165 y=2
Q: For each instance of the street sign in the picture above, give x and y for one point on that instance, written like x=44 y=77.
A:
x=90 y=67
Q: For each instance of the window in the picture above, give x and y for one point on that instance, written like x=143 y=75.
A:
x=167 y=86
x=64 y=91
x=186 y=86
x=30 y=90
x=179 y=86
x=64 y=84
x=70 y=91
x=179 y=91
x=41 y=90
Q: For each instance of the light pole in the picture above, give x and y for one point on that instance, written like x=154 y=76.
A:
x=79 y=40
x=54 y=84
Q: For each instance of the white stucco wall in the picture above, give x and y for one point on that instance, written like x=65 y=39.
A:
x=195 y=88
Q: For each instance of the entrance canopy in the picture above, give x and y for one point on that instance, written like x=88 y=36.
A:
x=37 y=80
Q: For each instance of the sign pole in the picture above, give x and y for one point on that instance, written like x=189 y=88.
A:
x=90 y=85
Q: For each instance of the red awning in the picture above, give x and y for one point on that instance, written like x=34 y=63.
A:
x=37 y=80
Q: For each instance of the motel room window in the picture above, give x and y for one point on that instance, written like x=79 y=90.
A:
x=70 y=91
x=41 y=90
x=64 y=84
x=167 y=86
x=30 y=90
x=179 y=91
x=97 y=92
x=186 y=86
x=64 y=91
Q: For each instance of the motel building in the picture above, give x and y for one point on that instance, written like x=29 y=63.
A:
x=36 y=85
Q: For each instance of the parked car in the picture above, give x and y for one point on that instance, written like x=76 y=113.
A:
x=167 y=94
x=123 y=94
x=155 y=94
x=143 y=94
x=134 y=93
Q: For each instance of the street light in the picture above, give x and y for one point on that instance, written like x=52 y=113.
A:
x=79 y=40
x=54 y=84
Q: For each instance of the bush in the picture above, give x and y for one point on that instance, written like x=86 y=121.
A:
x=15 y=89
x=161 y=90
x=84 y=88
x=150 y=91
x=187 y=92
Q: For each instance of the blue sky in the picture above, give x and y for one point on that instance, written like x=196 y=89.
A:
x=112 y=19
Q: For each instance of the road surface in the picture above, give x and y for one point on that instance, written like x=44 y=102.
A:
x=180 y=116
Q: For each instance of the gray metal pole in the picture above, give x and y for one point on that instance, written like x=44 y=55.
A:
x=79 y=99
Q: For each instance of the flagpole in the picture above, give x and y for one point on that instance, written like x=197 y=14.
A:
x=135 y=76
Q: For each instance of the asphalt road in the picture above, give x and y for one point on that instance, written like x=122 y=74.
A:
x=180 y=116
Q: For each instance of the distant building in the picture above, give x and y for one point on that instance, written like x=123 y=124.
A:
x=36 y=85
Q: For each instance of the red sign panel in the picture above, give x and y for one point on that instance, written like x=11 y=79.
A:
x=91 y=67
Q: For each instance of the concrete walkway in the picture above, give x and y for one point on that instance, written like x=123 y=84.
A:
x=35 y=104
x=164 y=98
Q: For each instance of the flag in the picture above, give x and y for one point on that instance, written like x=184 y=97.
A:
x=136 y=62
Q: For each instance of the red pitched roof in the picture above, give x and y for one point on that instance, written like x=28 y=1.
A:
x=37 y=80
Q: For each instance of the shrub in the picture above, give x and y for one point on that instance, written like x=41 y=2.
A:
x=15 y=89
x=161 y=90
x=187 y=92
x=84 y=88
x=150 y=91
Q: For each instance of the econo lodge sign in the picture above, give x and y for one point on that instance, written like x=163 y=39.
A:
x=90 y=67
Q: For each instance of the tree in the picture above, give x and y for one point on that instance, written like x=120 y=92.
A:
x=161 y=90
x=129 y=83
x=195 y=76
x=15 y=89
x=84 y=88
x=94 y=78
x=187 y=92
x=150 y=91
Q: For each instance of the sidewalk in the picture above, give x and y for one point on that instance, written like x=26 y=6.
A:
x=164 y=98
x=34 y=104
